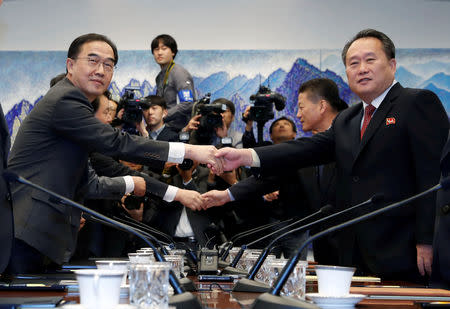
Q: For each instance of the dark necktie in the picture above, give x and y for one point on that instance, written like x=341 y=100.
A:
x=368 y=112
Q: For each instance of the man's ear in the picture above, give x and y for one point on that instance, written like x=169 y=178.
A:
x=69 y=65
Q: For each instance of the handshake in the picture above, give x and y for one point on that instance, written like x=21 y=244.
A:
x=218 y=161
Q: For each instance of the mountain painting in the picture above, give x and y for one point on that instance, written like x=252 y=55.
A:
x=231 y=74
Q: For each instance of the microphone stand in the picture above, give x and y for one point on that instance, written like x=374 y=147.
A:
x=231 y=269
x=272 y=300
x=223 y=263
x=181 y=299
x=171 y=244
x=185 y=282
x=248 y=284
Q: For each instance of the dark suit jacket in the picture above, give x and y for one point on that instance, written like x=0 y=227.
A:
x=440 y=276
x=300 y=195
x=167 y=215
x=398 y=156
x=6 y=218
x=51 y=149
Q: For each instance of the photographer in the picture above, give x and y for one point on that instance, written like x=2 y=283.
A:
x=213 y=122
x=173 y=83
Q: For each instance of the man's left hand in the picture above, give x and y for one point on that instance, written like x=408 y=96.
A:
x=424 y=258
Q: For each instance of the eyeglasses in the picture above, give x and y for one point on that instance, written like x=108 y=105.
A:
x=94 y=61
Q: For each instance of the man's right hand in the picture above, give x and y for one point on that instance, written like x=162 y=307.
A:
x=248 y=123
x=233 y=158
x=139 y=186
x=192 y=124
x=189 y=198
x=215 y=198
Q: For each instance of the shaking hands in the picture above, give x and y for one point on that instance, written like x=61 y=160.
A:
x=219 y=160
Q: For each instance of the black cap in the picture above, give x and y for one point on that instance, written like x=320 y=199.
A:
x=151 y=100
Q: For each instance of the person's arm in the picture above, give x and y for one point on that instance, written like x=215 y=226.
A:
x=73 y=119
x=426 y=142
x=185 y=90
x=101 y=187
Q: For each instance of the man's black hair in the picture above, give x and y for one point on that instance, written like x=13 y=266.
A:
x=326 y=89
x=228 y=103
x=168 y=41
x=75 y=47
x=294 y=128
x=388 y=45
x=151 y=100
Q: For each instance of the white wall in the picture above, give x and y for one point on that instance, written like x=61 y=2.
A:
x=232 y=24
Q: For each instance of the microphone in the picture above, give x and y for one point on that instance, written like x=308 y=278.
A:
x=185 y=282
x=222 y=262
x=160 y=244
x=272 y=298
x=142 y=226
x=180 y=299
x=231 y=269
x=248 y=284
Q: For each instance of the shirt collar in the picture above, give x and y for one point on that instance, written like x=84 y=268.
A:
x=155 y=134
x=377 y=101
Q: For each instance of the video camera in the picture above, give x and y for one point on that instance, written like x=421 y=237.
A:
x=134 y=202
x=211 y=119
x=262 y=110
x=132 y=107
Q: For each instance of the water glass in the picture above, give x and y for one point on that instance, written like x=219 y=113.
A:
x=149 y=285
x=177 y=263
x=141 y=258
x=295 y=285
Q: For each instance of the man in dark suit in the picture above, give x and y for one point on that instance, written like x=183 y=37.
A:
x=440 y=276
x=52 y=147
x=6 y=218
x=396 y=153
x=308 y=189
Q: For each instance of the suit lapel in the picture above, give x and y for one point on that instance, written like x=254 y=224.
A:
x=379 y=116
x=355 y=130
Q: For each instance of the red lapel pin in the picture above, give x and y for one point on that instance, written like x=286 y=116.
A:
x=390 y=121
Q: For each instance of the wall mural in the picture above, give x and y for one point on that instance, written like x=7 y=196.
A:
x=232 y=74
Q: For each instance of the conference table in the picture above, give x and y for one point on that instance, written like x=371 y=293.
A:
x=219 y=295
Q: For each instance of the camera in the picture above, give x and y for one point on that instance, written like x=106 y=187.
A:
x=134 y=202
x=132 y=107
x=187 y=163
x=262 y=109
x=211 y=119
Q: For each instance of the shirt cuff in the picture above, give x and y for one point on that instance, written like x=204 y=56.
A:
x=176 y=152
x=129 y=184
x=230 y=195
x=170 y=194
x=255 y=159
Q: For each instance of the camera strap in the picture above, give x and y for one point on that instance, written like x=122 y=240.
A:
x=166 y=76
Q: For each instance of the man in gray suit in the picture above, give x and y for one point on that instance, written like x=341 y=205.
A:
x=6 y=220
x=52 y=147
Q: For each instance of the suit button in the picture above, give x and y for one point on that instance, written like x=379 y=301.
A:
x=445 y=209
x=355 y=178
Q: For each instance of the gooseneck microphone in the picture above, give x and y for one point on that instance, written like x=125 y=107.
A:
x=141 y=226
x=233 y=239
x=185 y=282
x=231 y=268
x=181 y=299
x=273 y=300
x=248 y=284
